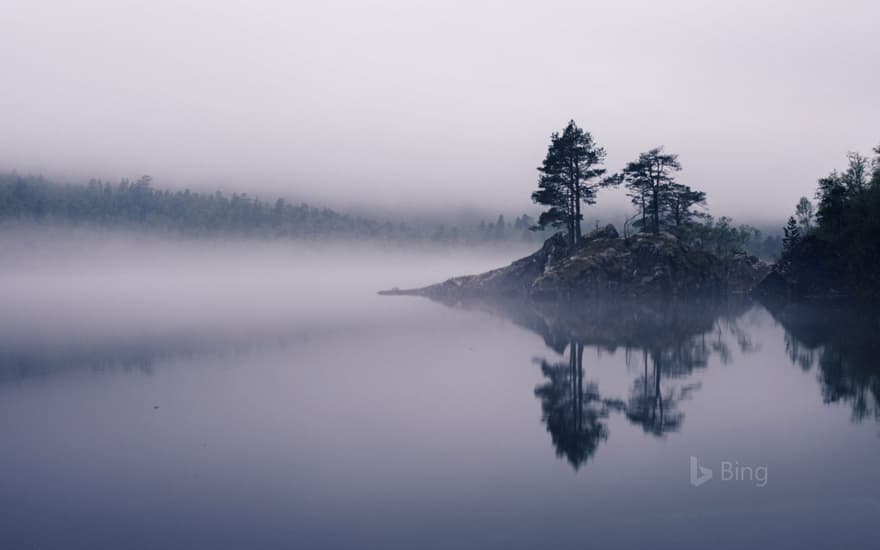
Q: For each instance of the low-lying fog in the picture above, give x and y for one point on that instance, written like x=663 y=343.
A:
x=76 y=289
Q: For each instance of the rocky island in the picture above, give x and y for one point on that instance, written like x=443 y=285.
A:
x=677 y=250
x=605 y=265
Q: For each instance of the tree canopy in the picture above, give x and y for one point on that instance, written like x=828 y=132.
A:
x=662 y=201
x=847 y=226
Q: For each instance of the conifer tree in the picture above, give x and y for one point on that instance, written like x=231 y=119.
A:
x=792 y=235
x=569 y=177
x=650 y=182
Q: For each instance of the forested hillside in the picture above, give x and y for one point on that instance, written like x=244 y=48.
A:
x=140 y=205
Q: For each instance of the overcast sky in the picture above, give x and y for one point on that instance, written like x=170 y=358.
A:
x=442 y=103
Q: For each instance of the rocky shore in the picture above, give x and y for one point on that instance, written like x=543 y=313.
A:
x=605 y=265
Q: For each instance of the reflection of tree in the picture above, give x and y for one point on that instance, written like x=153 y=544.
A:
x=799 y=354
x=572 y=410
x=843 y=345
x=652 y=407
x=676 y=337
x=575 y=412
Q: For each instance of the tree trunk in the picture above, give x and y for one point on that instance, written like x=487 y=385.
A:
x=577 y=204
x=657 y=395
x=580 y=383
x=644 y=212
x=655 y=214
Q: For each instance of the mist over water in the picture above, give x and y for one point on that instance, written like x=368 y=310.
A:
x=180 y=393
x=81 y=287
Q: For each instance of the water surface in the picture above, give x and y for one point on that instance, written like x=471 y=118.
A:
x=268 y=398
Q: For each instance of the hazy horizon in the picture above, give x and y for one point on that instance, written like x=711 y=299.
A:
x=399 y=107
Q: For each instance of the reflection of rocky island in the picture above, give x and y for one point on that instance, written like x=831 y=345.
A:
x=666 y=340
x=575 y=412
x=669 y=339
x=604 y=264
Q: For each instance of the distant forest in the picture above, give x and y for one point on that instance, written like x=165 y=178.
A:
x=139 y=205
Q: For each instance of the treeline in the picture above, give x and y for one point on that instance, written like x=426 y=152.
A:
x=571 y=176
x=139 y=205
x=835 y=244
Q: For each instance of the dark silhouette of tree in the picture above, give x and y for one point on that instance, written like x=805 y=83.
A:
x=677 y=337
x=649 y=180
x=832 y=201
x=841 y=255
x=573 y=410
x=804 y=214
x=648 y=407
x=681 y=202
x=875 y=175
x=846 y=198
x=639 y=195
x=857 y=174
x=792 y=234
x=569 y=176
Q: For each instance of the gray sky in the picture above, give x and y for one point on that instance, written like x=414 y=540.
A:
x=443 y=103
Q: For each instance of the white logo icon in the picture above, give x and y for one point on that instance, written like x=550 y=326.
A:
x=699 y=474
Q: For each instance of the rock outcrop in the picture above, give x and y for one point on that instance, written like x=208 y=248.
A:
x=604 y=265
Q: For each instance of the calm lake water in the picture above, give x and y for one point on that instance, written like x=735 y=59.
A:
x=241 y=396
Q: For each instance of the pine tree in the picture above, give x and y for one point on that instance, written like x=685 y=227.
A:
x=650 y=183
x=792 y=235
x=832 y=195
x=569 y=176
x=804 y=213
x=680 y=203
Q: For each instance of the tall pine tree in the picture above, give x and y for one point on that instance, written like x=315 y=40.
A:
x=569 y=176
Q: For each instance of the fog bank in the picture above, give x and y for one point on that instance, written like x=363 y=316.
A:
x=412 y=106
